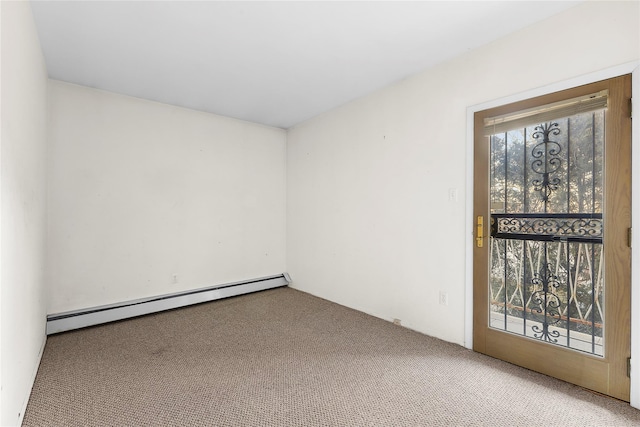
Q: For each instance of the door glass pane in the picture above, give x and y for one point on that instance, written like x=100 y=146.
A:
x=546 y=189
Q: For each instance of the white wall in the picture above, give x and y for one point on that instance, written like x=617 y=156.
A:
x=23 y=120
x=370 y=220
x=140 y=191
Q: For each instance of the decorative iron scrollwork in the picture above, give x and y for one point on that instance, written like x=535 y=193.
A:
x=547 y=159
x=547 y=231
x=545 y=302
x=580 y=227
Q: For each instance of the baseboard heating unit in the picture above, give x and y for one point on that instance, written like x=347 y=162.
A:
x=108 y=313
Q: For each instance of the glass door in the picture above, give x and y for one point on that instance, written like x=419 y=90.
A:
x=551 y=263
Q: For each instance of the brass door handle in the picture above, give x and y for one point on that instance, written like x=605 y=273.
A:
x=480 y=232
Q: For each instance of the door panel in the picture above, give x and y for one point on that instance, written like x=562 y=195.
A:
x=552 y=276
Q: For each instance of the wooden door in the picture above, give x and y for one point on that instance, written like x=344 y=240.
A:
x=552 y=205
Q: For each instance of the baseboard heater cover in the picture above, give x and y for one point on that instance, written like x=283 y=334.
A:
x=77 y=319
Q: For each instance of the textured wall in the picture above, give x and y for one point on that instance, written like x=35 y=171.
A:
x=141 y=191
x=22 y=207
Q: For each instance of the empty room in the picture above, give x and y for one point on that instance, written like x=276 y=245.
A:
x=319 y=213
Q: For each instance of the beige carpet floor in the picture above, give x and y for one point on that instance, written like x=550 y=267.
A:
x=286 y=358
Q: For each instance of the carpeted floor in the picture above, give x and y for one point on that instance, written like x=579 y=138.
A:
x=285 y=358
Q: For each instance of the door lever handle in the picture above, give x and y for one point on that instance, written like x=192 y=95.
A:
x=480 y=232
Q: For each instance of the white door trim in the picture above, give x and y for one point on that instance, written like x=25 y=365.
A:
x=631 y=67
x=635 y=243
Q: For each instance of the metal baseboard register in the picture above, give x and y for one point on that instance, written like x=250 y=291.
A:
x=77 y=319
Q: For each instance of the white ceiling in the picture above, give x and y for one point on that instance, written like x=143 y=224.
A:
x=275 y=63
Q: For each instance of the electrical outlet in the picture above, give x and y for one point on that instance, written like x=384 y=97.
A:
x=444 y=298
x=397 y=322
